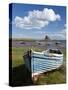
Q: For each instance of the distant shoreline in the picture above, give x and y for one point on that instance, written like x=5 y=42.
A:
x=29 y=39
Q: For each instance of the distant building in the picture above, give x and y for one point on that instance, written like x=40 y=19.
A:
x=47 y=38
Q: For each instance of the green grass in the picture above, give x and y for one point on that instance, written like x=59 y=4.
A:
x=17 y=55
x=54 y=77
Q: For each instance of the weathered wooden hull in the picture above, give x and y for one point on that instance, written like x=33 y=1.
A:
x=40 y=63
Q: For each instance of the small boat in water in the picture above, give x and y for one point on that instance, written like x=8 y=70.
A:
x=40 y=62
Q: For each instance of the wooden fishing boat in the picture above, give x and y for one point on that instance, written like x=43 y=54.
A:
x=40 y=62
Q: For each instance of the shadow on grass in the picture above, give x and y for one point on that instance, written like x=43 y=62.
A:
x=21 y=76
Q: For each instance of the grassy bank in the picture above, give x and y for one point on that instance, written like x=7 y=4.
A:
x=54 y=77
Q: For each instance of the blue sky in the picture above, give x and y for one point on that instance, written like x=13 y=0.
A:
x=37 y=21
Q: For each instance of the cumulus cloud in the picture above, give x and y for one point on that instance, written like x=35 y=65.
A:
x=36 y=19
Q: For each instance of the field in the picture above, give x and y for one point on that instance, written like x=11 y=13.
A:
x=21 y=75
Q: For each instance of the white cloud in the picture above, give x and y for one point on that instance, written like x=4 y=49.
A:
x=36 y=19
